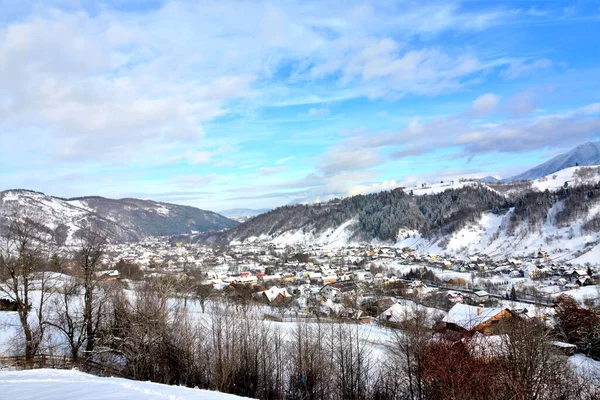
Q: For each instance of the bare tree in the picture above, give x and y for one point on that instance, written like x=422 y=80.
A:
x=203 y=293
x=407 y=349
x=87 y=257
x=68 y=316
x=309 y=367
x=25 y=248
x=530 y=367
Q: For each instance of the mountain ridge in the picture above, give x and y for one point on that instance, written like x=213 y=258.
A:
x=583 y=155
x=123 y=219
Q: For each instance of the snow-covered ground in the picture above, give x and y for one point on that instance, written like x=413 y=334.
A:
x=53 y=384
x=557 y=179
x=586 y=366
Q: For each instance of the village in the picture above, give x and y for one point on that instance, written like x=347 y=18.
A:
x=357 y=282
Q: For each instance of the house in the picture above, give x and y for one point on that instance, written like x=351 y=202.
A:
x=331 y=292
x=455 y=297
x=406 y=310
x=481 y=296
x=584 y=281
x=579 y=273
x=109 y=274
x=246 y=280
x=396 y=313
x=329 y=279
x=275 y=294
x=289 y=277
x=465 y=318
x=274 y=277
x=416 y=285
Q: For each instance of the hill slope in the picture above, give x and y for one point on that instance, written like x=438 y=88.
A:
x=378 y=215
x=124 y=219
x=544 y=215
x=585 y=154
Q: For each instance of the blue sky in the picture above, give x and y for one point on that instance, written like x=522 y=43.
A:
x=257 y=104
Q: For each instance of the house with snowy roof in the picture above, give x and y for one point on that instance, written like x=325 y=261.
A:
x=275 y=294
x=466 y=318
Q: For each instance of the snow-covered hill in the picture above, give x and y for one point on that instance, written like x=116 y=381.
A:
x=54 y=384
x=585 y=154
x=561 y=222
x=124 y=219
x=243 y=214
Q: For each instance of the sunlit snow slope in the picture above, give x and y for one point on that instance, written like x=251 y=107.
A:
x=52 y=384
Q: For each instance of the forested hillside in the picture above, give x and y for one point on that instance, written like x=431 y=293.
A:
x=472 y=218
x=378 y=215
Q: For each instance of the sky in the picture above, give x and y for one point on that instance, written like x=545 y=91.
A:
x=226 y=104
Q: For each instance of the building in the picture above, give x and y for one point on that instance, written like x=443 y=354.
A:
x=465 y=318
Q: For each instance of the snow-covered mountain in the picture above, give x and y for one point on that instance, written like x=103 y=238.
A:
x=585 y=154
x=463 y=218
x=243 y=214
x=123 y=219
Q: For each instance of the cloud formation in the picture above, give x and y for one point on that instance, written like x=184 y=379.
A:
x=484 y=104
x=284 y=100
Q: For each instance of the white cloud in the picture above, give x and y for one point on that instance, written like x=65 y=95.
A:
x=485 y=104
x=336 y=161
x=200 y=157
x=284 y=160
x=93 y=85
x=194 y=181
x=316 y=112
x=590 y=109
x=273 y=170
x=522 y=104
x=520 y=68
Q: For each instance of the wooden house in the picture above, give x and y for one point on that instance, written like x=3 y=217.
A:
x=466 y=318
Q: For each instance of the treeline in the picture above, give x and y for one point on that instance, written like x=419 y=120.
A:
x=382 y=215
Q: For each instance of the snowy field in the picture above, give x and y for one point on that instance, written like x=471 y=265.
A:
x=52 y=384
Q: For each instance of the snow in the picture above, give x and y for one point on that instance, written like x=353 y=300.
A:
x=331 y=238
x=468 y=317
x=438 y=187
x=162 y=210
x=475 y=236
x=406 y=310
x=52 y=384
x=586 y=366
x=582 y=293
x=592 y=257
x=557 y=179
x=80 y=204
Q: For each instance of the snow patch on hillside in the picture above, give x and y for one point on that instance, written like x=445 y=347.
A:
x=333 y=238
x=473 y=237
x=438 y=187
x=557 y=179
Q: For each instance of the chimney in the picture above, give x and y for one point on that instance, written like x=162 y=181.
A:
x=478 y=311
